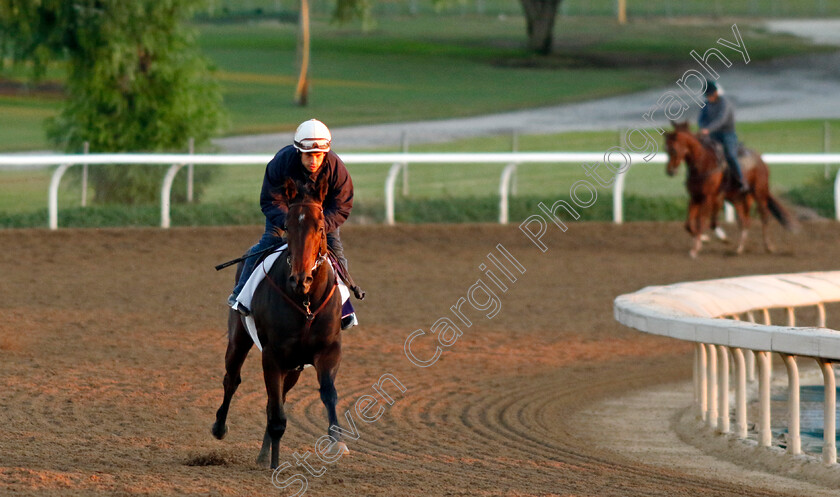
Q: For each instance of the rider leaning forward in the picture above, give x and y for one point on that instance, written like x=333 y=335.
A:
x=305 y=161
x=717 y=121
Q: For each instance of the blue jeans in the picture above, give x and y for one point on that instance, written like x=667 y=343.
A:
x=730 y=151
x=270 y=238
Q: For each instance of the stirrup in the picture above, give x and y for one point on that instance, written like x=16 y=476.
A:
x=349 y=321
x=237 y=306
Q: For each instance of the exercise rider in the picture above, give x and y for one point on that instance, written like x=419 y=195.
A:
x=305 y=161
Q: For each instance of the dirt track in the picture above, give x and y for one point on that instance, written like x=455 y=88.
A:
x=112 y=349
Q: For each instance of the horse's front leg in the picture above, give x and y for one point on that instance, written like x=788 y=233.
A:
x=275 y=416
x=326 y=364
x=289 y=381
x=693 y=225
x=239 y=344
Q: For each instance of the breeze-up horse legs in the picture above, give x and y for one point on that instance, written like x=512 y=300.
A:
x=761 y=201
x=239 y=344
x=698 y=218
x=290 y=380
x=742 y=209
x=275 y=416
x=326 y=364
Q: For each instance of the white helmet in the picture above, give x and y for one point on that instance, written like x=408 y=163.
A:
x=313 y=136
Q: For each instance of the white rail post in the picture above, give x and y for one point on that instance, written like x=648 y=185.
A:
x=764 y=434
x=821 y=315
x=791 y=317
x=166 y=194
x=837 y=195
x=504 y=192
x=740 y=393
x=52 y=200
x=701 y=385
x=829 y=453
x=750 y=357
x=723 y=390
x=390 y=182
x=826 y=145
x=404 y=146
x=191 y=172
x=618 y=197
x=794 y=441
x=711 y=416
x=85 y=151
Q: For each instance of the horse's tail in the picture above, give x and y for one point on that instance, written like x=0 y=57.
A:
x=782 y=214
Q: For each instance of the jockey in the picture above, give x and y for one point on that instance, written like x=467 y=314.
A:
x=307 y=159
x=717 y=121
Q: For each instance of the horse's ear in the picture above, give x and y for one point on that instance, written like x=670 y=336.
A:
x=289 y=190
x=322 y=186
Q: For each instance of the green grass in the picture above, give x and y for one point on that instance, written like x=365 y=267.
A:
x=646 y=8
x=422 y=67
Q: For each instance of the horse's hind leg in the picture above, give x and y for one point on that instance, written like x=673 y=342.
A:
x=239 y=344
x=764 y=212
x=326 y=363
x=742 y=210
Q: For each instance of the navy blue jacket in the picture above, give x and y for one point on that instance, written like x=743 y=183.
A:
x=286 y=164
x=718 y=117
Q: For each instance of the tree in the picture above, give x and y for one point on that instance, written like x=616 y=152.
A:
x=135 y=80
x=539 y=18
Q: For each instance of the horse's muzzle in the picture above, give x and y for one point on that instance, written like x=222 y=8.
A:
x=300 y=283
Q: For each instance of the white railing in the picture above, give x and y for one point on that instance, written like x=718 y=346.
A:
x=698 y=312
x=399 y=163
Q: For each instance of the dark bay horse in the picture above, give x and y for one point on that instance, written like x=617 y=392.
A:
x=708 y=184
x=297 y=312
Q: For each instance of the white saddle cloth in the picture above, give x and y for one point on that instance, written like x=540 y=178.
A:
x=257 y=275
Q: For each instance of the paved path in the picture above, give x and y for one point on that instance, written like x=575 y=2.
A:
x=787 y=88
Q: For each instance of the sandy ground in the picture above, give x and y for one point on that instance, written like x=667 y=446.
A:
x=781 y=89
x=112 y=345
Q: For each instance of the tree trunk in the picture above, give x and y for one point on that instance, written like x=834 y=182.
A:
x=302 y=89
x=539 y=17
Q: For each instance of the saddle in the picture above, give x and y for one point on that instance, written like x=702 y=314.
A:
x=746 y=156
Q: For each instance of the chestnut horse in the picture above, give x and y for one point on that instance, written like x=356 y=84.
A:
x=297 y=313
x=708 y=183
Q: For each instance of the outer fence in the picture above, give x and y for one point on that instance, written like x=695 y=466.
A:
x=698 y=312
x=399 y=161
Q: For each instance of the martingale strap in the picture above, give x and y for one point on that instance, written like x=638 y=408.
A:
x=305 y=310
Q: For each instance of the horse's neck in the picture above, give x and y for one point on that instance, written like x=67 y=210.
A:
x=700 y=159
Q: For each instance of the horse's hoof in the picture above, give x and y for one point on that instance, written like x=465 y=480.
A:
x=721 y=235
x=219 y=432
x=704 y=237
x=692 y=254
x=770 y=249
x=262 y=461
x=341 y=447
